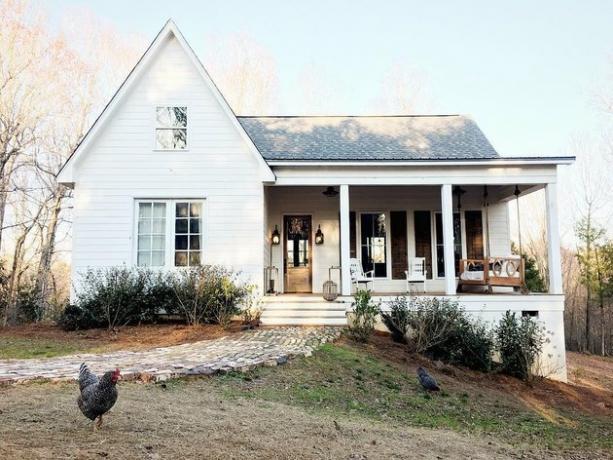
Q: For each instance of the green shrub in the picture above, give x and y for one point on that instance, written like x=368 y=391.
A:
x=75 y=318
x=441 y=330
x=519 y=342
x=475 y=345
x=365 y=313
x=252 y=307
x=207 y=294
x=227 y=302
x=533 y=277
x=28 y=305
x=117 y=296
x=396 y=319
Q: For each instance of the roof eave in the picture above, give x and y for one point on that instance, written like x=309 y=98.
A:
x=503 y=161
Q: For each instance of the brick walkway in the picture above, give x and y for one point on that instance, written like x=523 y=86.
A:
x=267 y=347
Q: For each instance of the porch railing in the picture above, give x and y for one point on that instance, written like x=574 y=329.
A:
x=493 y=271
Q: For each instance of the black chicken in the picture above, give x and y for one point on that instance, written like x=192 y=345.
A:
x=426 y=380
x=97 y=395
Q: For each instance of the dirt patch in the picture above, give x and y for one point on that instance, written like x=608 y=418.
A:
x=590 y=371
x=125 y=338
x=190 y=420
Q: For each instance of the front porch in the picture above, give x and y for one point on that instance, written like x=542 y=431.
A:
x=460 y=232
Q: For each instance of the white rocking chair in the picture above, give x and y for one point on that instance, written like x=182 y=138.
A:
x=416 y=274
x=358 y=276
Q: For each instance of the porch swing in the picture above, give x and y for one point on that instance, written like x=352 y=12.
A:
x=493 y=270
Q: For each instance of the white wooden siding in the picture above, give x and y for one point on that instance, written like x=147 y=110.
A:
x=122 y=166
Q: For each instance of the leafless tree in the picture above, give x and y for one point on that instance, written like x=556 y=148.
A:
x=245 y=72
x=403 y=90
x=53 y=82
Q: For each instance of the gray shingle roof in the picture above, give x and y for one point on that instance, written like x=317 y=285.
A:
x=370 y=138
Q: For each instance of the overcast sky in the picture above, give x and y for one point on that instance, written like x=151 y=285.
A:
x=527 y=71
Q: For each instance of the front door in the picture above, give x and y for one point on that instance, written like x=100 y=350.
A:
x=297 y=253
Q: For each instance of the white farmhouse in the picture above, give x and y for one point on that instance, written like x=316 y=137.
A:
x=169 y=176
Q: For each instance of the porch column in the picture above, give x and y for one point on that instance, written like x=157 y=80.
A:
x=553 y=240
x=345 y=253
x=448 y=252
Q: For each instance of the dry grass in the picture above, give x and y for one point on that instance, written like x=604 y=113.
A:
x=191 y=421
x=43 y=341
x=347 y=401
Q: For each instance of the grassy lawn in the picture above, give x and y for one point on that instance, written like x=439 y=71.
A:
x=345 y=401
x=25 y=348
x=346 y=380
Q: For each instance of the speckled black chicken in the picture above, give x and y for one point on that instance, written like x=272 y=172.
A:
x=98 y=395
x=426 y=380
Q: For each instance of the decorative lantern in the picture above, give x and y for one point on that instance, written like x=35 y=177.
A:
x=330 y=192
x=459 y=191
x=275 y=237
x=319 y=236
x=330 y=287
x=271 y=274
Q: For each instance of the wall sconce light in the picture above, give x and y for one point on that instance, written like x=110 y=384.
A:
x=319 y=236
x=275 y=237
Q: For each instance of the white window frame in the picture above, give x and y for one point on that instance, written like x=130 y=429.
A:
x=169 y=258
x=155 y=127
x=388 y=241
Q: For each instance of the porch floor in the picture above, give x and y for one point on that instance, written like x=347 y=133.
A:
x=309 y=295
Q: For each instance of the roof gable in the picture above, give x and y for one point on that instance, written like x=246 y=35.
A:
x=65 y=175
x=368 y=138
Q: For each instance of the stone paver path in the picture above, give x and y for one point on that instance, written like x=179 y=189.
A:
x=240 y=352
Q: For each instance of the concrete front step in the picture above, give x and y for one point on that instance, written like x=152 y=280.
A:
x=304 y=313
x=297 y=310
x=285 y=321
x=289 y=298
x=306 y=306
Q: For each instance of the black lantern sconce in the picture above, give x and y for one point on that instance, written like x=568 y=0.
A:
x=319 y=236
x=459 y=191
x=275 y=238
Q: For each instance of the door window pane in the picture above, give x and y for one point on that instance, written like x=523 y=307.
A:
x=373 y=243
x=298 y=230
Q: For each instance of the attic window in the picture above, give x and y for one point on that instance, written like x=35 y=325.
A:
x=171 y=128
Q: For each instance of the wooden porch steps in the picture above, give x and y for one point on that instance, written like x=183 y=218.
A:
x=303 y=310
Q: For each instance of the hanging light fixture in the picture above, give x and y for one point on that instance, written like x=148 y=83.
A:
x=319 y=236
x=459 y=191
x=275 y=238
x=486 y=206
x=330 y=192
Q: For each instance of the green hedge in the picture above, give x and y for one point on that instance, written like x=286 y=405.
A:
x=117 y=296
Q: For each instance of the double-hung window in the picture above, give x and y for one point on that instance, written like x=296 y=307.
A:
x=170 y=128
x=169 y=233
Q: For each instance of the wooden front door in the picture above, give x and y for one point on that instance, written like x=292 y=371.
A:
x=297 y=253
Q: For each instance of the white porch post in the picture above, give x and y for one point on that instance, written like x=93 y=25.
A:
x=345 y=253
x=448 y=251
x=553 y=240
